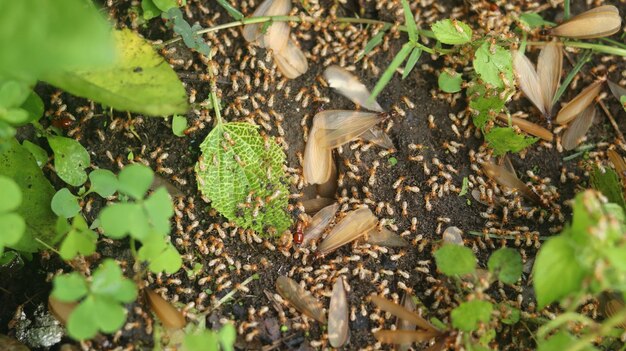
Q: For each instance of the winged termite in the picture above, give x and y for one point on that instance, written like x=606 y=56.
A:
x=385 y=237
x=291 y=60
x=578 y=128
x=318 y=160
x=351 y=87
x=529 y=127
x=342 y=126
x=300 y=298
x=169 y=316
x=619 y=92
x=61 y=310
x=579 y=103
x=318 y=223
x=595 y=23
x=354 y=225
x=379 y=137
x=403 y=313
x=338 y=317
x=509 y=180
x=540 y=85
x=253 y=33
x=409 y=304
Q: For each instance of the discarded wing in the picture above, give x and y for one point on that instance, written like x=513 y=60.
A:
x=290 y=60
x=403 y=313
x=612 y=305
x=342 y=126
x=312 y=206
x=379 y=137
x=453 y=235
x=529 y=127
x=579 y=103
x=318 y=223
x=329 y=188
x=318 y=160
x=596 y=23
x=619 y=92
x=169 y=316
x=301 y=299
x=540 y=85
x=351 y=87
x=385 y=237
x=338 y=317
x=409 y=304
x=403 y=337
x=61 y=310
x=509 y=180
x=354 y=225
x=253 y=33
x=578 y=128
x=619 y=164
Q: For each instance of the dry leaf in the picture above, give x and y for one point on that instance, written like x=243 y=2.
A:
x=596 y=23
x=301 y=299
x=61 y=310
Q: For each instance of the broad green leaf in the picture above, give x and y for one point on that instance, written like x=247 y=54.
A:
x=206 y=340
x=486 y=104
x=166 y=5
x=160 y=209
x=411 y=61
x=17 y=163
x=391 y=69
x=103 y=182
x=12 y=227
x=110 y=314
x=179 y=125
x=33 y=106
x=409 y=21
x=232 y=11
x=82 y=323
x=506 y=264
x=40 y=36
x=79 y=241
x=13 y=93
x=468 y=315
x=452 y=32
x=510 y=314
x=69 y=287
x=121 y=219
x=622 y=99
x=505 y=139
x=607 y=182
x=11 y=195
x=491 y=61
x=557 y=272
x=150 y=10
x=228 y=336
x=534 y=20
x=135 y=180
x=160 y=255
x=250 y=166
x=108 y=281
x=65 y=204
x=561 y=341
x=70 y=159
x=450 y=82
x=455 y=260
x=140 y=81
x=40 y=155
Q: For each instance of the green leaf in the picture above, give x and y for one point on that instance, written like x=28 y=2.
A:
x=110 y=315
x=505 y=139
x=409 y=21
x=159 y=209
x=534 y=20
x=232 y=11
x=13 y=93
x=485 y=103
x=160 y=255
x=411 y=61
x=40 y=155
x=506 y=264
x=17 y=163
x=374 y=41
x=34 y=106
x=228 y=336
x=228 y=173
x=166 y=5
x=108 y=281
x=82 y=322
x=79 y=241
x=464 y=186
x=510 y=314
x=12 y=227
x=119 y=220
x=393 y=66
x=561 y=341
x=607 y=182
x=206 y=340
x=149 y=9
x=455 y=260
x=190 y=35
x=140 y=81
x=65 y=204
x=452 y=32
x=48 y=36
x=11 y=195
x=179 y=125
x=70 y=159
x=622 y=99
x=135 y=180
x=557 y=271
x=69 y=287
x=450 y=82
x=103 y=182
x=491 y=61
x=468 y=315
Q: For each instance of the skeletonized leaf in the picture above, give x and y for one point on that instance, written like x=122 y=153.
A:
x=301 y=299
x=169 y=316
x=253 y=33
x=351 y=87
x=318 y=160
x=549 y=67
x=579 y=103
x=354 y=225
x=509 y=180
x=529 y=127
x=379 y=137
x=338 y=322
x=578 y=128
x=385 y=237
x=318 y=223
x=291 y=60
x=312 y=206
x=404 y=336
x=403 y=313
x=528 y=81
x=338 y=127
x=596 y=23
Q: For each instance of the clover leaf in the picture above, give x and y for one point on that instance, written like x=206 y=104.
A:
x=79 y=240
x=12 y=225
x=160 y=254
x=455 y=260
x=65 y=204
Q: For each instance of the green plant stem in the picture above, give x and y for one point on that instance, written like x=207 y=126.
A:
x=309 y=19
x=234 y=291
x=561 y=320
x=584 y=59
x=602 y=330
x=47 y=246
x=613 y=42
x=580 y=151
x=605 y=49
x=133 y=248
x=566 y=11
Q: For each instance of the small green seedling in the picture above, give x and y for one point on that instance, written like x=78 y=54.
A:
x=79 y=239
x=179 y=125
x=101 y=299
x=223 y=340
x=12 y=225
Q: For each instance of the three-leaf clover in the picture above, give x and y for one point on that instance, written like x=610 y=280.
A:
x=101 y=299
x=506 y=264
x=79 y=240
x=469 y=314
x=161 y=255
x=12 y=225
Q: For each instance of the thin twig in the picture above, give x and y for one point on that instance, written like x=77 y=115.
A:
x=612 y=120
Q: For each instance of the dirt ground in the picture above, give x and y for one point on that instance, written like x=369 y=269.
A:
x=251 y=91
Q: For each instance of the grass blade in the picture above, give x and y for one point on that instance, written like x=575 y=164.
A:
x=386 y=77
x=374 y=42
x=409 y=21
x=232 y=11
x=410 y=63
x=584 y=59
